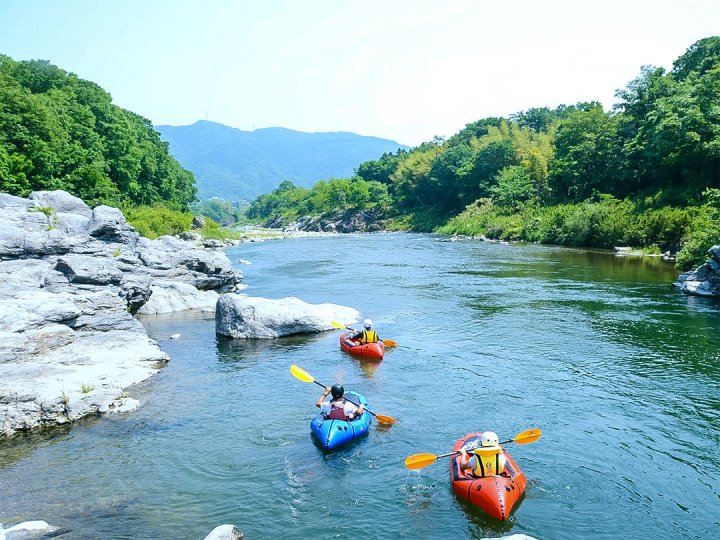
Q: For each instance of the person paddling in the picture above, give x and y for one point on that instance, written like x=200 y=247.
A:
x=488 y=459
x=367 y=334
x=338 y=408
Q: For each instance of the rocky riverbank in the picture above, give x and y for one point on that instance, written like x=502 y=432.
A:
x=71 y=279
x=704 y=280
x=348 y=221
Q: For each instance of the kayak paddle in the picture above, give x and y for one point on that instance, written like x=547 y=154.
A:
x=386 y=342
x=304 y=376
x=418 y=461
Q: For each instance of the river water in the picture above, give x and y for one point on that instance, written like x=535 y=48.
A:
x=619 y=370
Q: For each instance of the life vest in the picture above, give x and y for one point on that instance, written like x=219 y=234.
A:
x=337 y=412
x=369 y=336
x=487 y=462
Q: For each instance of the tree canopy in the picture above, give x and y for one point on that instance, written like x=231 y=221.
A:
x=58 y=131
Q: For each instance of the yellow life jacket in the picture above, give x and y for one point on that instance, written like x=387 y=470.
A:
x=487 y=462
x=369 y=336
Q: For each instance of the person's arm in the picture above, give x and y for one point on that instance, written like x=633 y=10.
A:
x=464 y=459
x=318 y=403
x=352 y=411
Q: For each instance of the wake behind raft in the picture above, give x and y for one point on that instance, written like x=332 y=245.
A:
x=332 y=434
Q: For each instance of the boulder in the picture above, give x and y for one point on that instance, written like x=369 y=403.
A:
x=704 y=280
x=190 y=236
x=172 y=296
x=109 y=224
x=60 y=201
x=240 y=316
x=198 y=222
x=89 y=270
x=225 y=532
x=27 y=530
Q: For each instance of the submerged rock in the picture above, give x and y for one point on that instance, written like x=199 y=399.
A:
x=240 y=316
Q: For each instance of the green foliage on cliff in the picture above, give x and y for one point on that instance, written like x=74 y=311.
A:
x=58 y=131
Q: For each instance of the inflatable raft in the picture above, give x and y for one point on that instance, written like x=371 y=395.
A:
x=496 y=495
x=334 y=433
x=365 y=350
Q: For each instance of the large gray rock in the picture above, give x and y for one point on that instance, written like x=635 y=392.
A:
x=225 y=532
x=60 y=201
x=109 y=224
x=89 y=270
x=174 y=259
x=27 y=530
x=70 y=280
x=172 y=296
x=240 y=316
x=704 y=280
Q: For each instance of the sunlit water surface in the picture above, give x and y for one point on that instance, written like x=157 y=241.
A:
x=617 y=368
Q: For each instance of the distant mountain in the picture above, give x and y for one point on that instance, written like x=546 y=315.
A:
x=235 y=164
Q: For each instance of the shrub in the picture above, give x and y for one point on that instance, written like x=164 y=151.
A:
x=154 y=221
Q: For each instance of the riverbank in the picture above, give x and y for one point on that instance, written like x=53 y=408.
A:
x=72 y=279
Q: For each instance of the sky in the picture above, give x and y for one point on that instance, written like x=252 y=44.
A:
x=406 y=70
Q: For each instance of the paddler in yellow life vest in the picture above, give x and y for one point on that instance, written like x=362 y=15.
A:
x=367 y=335
x=488 y=458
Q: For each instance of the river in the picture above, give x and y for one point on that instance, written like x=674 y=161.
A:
x=619 y=370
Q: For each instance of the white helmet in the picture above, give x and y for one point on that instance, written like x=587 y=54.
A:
x=489 y=439
x=367 y=323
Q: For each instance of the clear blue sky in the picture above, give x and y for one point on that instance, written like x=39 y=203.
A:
x=402 y=69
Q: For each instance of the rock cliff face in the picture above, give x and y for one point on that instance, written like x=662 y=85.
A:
x=349 y=221
x=704 y=280
x=71 y=279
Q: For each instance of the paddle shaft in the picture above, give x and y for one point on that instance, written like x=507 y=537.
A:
x=346 y=399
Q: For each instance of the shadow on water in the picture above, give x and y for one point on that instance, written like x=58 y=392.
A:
x=23 y=444
x=235 y=353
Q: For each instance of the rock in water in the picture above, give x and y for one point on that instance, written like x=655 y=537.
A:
x=704 y=280
x=225 y=532
x=240 y=316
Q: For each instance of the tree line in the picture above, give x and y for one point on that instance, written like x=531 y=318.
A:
x=646 y=173
x=58 y=131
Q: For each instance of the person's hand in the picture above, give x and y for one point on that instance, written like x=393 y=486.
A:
x=327 y=390
x=463 y=453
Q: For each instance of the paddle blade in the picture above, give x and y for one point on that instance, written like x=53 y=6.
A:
x=301 y=374
x=418 y=461
x=385 y=419
x=389 y=343
x=528 y=436
x=337 y=325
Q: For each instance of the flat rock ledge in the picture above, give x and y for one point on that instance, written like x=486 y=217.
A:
x=245 y=317
x=71 y=278
x=704 y=280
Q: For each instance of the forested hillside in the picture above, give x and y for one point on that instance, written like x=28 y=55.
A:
x=58 y=131
x=645 y=174
x=234 y=164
